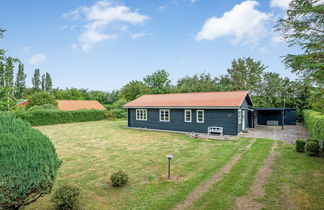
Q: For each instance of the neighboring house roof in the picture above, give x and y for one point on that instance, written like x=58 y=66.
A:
x=202 y=99
x=23 y=104
x=71 y=105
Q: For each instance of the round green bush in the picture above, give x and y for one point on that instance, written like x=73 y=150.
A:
x=300 y=145
x=41 y=98
x=119 y=179
x=66 y=197
x=312 y=148
x=28 y=163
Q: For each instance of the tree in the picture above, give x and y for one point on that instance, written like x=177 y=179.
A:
x=48 y=82
x=304 y=26
x=28 y=163
x=36 y=79
x=20 y=84
x=197 y=83
x=133 y=90
x=43 y=83
x=246 y=74
x=41 y=98
x=97 y=95
x=158 y=82
x=7 y=89
x=113 y=96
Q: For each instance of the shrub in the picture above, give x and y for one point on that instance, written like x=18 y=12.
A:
x=312 y=148
x=41 y=98
x=300 y=145
x=52 y=117
x=119 y=179
x=28 y=163
x=314 y=122
x=109 y=115
x=42 y=107
x=66 y=197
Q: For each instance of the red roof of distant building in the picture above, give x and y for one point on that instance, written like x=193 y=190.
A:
x=71 y=105
x=202 y=99
x=23 y=104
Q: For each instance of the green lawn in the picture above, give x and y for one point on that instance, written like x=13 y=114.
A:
x=92 y=151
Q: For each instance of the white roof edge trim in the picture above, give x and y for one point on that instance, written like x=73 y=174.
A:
x=182 y=107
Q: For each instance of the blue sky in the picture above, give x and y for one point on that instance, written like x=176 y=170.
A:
x=102 y=45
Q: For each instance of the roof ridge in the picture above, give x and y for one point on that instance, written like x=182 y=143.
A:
x=196 y=92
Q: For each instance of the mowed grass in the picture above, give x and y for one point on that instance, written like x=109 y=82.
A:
x=92 y=151
x=297 y=181
x=223 y=194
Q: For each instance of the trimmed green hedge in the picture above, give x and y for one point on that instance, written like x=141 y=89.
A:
x=52 y=117
x=314 y=122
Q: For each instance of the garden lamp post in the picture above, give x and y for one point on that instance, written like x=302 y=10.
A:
x=169 y=158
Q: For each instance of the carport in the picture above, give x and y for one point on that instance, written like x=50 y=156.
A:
x=273 y=117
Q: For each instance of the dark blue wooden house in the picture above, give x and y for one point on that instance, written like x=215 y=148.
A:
x=192 y=112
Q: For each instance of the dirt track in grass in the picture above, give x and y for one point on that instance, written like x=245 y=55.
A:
x=257 y=188
x=198 y=192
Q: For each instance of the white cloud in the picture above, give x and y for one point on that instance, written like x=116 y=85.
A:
x=99 y=16
x=242 y=23
x=140 y=35
x=282 y=4
x=37 y=59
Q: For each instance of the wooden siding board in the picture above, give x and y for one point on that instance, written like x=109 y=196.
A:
x=213 y=117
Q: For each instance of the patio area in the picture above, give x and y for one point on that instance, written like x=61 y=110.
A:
x=289 y=134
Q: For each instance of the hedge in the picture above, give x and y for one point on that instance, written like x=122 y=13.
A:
x=52 y=117
x=314 y=122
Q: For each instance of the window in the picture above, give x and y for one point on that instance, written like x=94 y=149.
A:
x=239 y=116
x=187 y=115
x=200 y=116
x=164 y=115
x=141 y=114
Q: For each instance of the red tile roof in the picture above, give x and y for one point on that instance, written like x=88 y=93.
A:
x=71 y=105
x=202 y=99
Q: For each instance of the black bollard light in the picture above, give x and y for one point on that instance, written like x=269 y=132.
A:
x=169 y=167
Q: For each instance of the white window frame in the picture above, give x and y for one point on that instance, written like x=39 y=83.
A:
x=164 y=111
x=185 y=115
x=203 y=116
x=141 y=114
x=239 y=116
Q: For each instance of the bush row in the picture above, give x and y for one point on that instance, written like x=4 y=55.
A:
x=314 y=122
x=51 y=117
x=312 y=147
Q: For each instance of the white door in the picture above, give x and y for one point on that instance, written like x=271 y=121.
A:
x=243 y=119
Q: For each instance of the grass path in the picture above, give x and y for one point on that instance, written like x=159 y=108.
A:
x=223 y=194
x=200 y=190
x=257 y=189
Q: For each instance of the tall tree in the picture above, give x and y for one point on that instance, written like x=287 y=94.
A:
x=304 y=26
x=36 y=79
x=133 y=89
x=197 y=83
x=43 y=82
x=158 y=82
x=20 y=84
x=48 y=82
x=246 y=74
x=7 y=90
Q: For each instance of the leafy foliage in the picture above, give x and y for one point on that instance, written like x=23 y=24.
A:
x=66 y=197
x=314 y=122
x=20 y=84
x=28 y=163
x=197 y=83
x=158 y=82
x=42 y=107
x=133 y=90
x=119 y=179
x=312 y=148
x=41 y=98
x=304 y=26
x=36 y=79
x=52 y=117
x=300 y=145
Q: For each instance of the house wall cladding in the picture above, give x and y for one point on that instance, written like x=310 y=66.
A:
x=226 y=118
